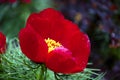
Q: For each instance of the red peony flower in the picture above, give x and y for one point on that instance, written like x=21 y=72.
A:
x=2 y=43
x=58 y=43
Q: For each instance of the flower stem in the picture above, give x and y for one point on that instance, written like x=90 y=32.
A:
x=43 y=72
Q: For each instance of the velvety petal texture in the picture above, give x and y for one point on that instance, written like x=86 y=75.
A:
x=61 y=60
x=33 y=45
x=2 y=43
x=70 y=57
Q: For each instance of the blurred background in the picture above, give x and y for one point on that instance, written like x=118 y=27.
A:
x=100 y=19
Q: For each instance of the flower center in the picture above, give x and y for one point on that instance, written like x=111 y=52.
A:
x=52 y=44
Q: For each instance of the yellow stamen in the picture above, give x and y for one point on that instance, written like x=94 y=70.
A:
x=52 y=44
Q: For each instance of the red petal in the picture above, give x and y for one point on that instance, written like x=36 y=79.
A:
x=60 y=60
x=2 y=43
x=57 y=30
x=69 y=29
x=40 y=25
x=32 y=45
x=80 y=47
x=62 y=30
x=48 y=23
x=51 y=14
x=48 y=28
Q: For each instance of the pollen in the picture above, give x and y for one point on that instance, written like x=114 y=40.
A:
x=52 y=44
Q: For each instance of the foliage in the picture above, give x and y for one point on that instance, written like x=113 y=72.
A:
x=16 y=66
